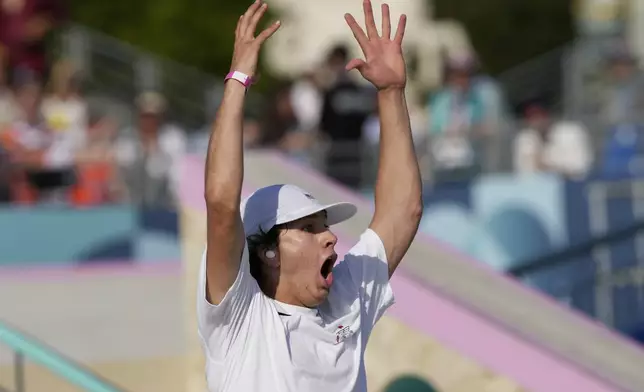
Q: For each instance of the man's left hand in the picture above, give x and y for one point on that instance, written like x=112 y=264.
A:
x=384 y=65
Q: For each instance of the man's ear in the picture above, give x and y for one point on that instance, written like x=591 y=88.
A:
x=269 y=256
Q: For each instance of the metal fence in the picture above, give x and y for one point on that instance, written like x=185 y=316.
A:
x=67 y=374
x=604 y=275
x=615 y=274
x=118 y=71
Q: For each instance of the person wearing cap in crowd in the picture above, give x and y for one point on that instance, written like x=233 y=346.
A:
x=149 y=154
x=624 y=98
x=275 y=312
x=64 y=106
x=456 y=121
x=621 y=111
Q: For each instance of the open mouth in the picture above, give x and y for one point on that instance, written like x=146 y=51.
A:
x=327 y=267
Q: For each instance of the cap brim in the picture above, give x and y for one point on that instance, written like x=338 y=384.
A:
x=339 y=212
x=336 y=213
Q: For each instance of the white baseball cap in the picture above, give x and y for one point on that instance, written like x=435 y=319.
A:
x=278 y=204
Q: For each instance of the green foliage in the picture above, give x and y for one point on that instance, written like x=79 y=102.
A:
x=195 y=32
x=508 y=32
x=200 y=32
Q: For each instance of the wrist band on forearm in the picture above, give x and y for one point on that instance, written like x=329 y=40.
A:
x=241 y=77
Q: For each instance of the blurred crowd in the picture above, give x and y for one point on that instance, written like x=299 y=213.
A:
x=56 y=148
x=461 y=129
x=53 y=148
x=328 y=119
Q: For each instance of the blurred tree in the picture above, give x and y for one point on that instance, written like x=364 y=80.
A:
x=194 y=32
x=200 y=32
x=506 y=33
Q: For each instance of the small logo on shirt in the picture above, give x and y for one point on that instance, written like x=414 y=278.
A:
x=342 y=333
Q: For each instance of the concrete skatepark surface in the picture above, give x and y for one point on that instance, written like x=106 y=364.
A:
x=123 y=323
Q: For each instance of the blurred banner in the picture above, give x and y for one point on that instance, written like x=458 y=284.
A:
x=506 y=221
x=500 y=220
x=69 y=236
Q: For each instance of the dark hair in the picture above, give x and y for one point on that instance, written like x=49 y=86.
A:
x=275 y=124
x=339 y=52
x=269 y=239
x=535 y=101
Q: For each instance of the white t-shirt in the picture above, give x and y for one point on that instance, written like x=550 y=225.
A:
x=307 y=104
x=60 y=149
x=567 y=151
x=66 y=115
x=254 y=343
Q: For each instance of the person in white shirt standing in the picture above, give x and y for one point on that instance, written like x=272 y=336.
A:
x=275 y=312
x=546 y=144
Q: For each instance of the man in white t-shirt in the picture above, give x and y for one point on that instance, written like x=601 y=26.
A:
x=275 y=311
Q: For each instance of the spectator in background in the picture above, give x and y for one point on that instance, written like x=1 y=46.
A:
x=43 y=161
x=623 y=152
x=25 y=27
x=624 y=98
x=149 y=155
x=7 y=109
x=371 y=137
x=306 y=100
x=6 y=118
x=279 y=118
x=549 y=145
x=346 y=106
x=306 y=104
x=252 y=130
x=458 y=122
x=623 y=114
x=63 y=107
x=97 y=181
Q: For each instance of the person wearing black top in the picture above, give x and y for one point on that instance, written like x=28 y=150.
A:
x=346 y=106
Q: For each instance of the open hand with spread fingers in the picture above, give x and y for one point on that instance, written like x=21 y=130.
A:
x=384 y=64
x=247 y=45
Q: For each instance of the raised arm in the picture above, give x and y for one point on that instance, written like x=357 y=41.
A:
x=225 y=164
x=398 y=186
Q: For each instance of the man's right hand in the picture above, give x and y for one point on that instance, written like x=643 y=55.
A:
x=247 y=46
